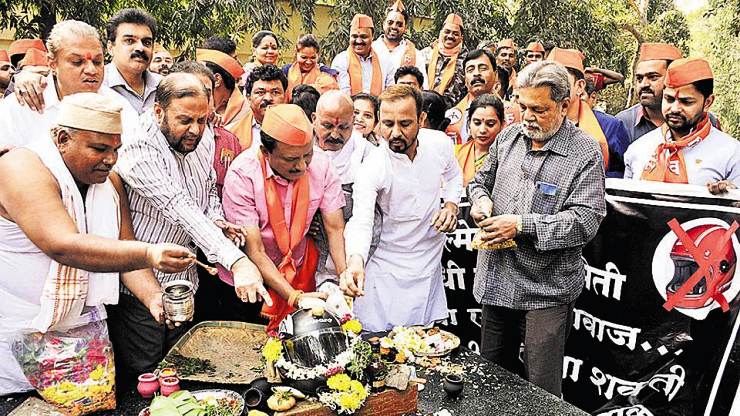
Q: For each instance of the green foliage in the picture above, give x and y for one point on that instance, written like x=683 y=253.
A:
x=183 y=24
x=720 y=32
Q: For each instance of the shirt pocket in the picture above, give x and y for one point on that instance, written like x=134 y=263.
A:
x=545 y=198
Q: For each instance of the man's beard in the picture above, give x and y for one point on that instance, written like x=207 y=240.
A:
x=176 y=143
x=539 y=135
x=405 y=145
x=685 y=126
x=393 y=37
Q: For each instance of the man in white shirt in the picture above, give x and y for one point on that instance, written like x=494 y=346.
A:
x=360 y=68
x=687 y=148
x=76 y=58
x=392 y=47
x=336 y=138
x=407 y=175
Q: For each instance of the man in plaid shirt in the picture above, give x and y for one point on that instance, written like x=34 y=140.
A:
x=543 y=186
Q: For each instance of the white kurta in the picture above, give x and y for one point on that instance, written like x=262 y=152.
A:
x=713 y=159
x=396 y=57
x=403 y=279
x=341 y=65
x=19 y=124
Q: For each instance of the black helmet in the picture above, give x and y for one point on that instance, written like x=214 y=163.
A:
x=312 y=339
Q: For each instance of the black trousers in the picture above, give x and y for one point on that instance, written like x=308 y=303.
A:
x=139 y=342
x=543 y=331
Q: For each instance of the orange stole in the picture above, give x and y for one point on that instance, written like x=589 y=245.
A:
x=315 y=78
x=448 y=72
x=672 y=169
x=409 y=56
x=287 y=240
x=354 y=68
x=465 y=155
x=243 y=130
x=587 y=122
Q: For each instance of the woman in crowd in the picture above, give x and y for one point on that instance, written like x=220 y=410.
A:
x=486 y=119
x=264 y=51
x=366 y=116
x=307 y=70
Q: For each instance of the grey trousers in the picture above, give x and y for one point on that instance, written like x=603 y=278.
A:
x=544 y=333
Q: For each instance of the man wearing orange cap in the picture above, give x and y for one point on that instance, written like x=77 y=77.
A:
x=604 y=128
x=77 y=62
x=34 y=61
x=407 y=176
x=18 y=49
x=506 y=58
x=482 y=76
x=227 y=71
x=161 y=60
x=360 y=68
x=445 y=61
x=274 y=196
x=687 y=148
x=391 y=45
x=535 y=52
x=6 y=72
x=652 y=64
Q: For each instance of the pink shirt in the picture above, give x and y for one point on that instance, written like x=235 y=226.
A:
x=244 y=200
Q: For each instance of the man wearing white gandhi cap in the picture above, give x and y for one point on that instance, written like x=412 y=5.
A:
x=65 y=232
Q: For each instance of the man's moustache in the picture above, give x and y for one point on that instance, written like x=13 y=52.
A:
x=647 y=90
x=337 y=140
x=139 y=54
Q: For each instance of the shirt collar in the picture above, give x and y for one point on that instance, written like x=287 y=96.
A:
x=641 y=114
x=115 y=79
x=558 y=143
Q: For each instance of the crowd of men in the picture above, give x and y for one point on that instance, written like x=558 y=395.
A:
x=306 y=181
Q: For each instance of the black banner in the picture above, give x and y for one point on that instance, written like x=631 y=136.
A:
x=643 y=341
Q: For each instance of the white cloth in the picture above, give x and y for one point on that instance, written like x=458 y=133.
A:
x=19 y=124
x=341 y=65
x=346 y=161
x=396 y=57
x=715 y=158
x=403 y=278
x=26 y=272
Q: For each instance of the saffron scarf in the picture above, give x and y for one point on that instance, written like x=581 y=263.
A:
x=587 y=122
x=448 y=72
x=354 y=69
x=469 y=164
x=287 y=240
x=667 y=163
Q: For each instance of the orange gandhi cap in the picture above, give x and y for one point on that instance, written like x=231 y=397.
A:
x=659 y=51
x=569 y=58
x=686 y=71
x=287 y=123
x=221 y=59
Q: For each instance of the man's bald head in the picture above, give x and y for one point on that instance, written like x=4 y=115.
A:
x=179 y=85
x=333 y=120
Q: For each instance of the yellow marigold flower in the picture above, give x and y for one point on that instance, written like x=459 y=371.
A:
x=357 y=388
x=272 y=350
x=340 y=382
x=353 y=325
x=349 y=401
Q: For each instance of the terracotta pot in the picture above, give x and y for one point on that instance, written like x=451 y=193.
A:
x=167 y=372
x=148 y=385
x=169 y=385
